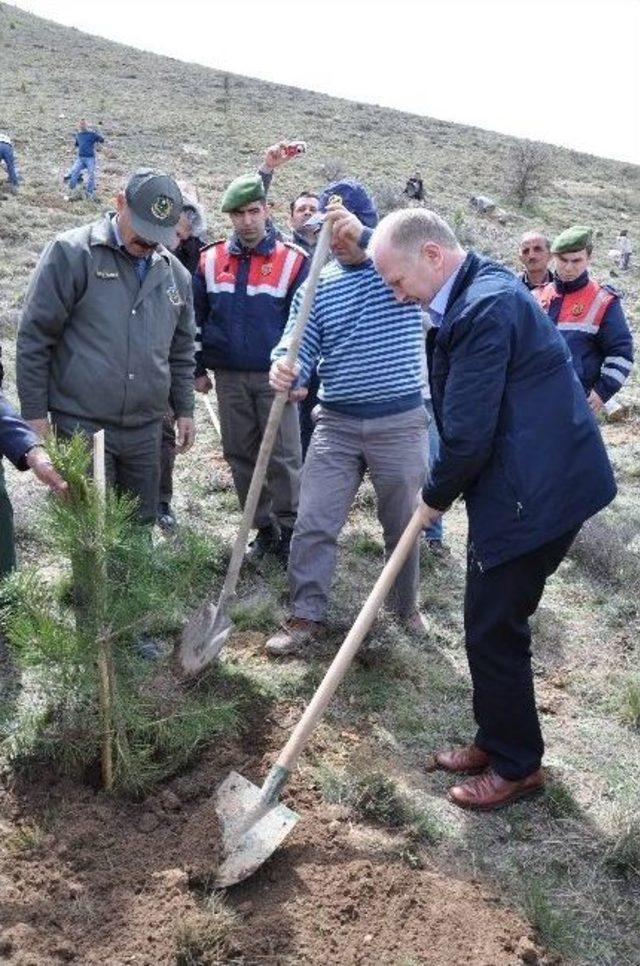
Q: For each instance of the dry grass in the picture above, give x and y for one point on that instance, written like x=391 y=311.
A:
x=204 y=938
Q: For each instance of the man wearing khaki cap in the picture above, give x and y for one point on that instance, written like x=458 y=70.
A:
x=243 y=288
x=107 y=332
x=589 y=316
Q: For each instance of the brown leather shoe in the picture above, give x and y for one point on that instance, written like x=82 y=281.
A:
x=470 y=759
x=294 y=637
x=489 y=790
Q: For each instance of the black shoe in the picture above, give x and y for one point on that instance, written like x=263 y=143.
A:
x=166 y=518
x=284 y=546
x=266 y=540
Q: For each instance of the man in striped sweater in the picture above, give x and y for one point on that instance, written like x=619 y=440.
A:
x=367 y=349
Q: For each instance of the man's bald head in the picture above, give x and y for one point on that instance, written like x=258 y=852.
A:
x=415 y=251
x=410 y=228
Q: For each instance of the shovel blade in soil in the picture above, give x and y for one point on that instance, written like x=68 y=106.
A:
x=238 y=802
x=203 y=638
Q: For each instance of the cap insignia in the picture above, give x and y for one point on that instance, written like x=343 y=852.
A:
x=162 y=208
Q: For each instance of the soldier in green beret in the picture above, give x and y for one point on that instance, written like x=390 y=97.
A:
x=243 y=288
x=578 y=238
x=242 y=191
x=590 y=317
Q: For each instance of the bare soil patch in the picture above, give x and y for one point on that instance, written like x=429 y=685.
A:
x=92 y=880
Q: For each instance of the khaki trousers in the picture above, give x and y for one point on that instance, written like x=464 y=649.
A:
x=244 y=403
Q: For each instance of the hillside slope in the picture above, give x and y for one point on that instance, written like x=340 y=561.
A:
x=206 y=126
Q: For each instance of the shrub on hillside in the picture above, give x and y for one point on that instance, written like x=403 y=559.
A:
x=388 y=196
x=333 y=169
x=528 y=170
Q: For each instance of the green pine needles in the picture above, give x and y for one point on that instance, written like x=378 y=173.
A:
x=86 y=690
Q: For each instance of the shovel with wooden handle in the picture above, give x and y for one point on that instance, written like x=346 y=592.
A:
x=253 y=821
x=208 y=629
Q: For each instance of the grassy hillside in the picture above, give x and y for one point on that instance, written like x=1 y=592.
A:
x=569 y=861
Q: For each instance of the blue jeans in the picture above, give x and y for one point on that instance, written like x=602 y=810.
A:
x=435 y=531
x=88 y=165
x=6 y=155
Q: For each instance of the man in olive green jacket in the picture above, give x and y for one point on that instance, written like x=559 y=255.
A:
x=108 y=331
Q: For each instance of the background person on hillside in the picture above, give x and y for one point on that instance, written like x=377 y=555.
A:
x=85 y=141
x=535 y=255
x=19 y=444
x=414 y=188
x=519 y=444
x=624 y=246
x=7 y=155
x=368 y=351
x=243 y=289
x=107 y=333
x=589 y=316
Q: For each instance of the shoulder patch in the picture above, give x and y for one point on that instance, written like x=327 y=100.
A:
x=296 y=248
x=218 y=241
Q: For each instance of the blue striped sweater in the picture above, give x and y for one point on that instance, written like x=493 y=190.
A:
x=367 y=346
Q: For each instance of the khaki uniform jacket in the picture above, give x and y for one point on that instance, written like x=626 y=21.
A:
x=94 y=343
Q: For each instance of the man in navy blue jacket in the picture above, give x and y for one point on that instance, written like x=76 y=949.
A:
x=20 y=445
x=519 y=443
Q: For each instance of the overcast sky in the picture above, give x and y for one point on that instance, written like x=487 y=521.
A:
x=563 y=71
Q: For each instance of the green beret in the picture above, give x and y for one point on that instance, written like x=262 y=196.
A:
x=573 y=239
x=242 y=191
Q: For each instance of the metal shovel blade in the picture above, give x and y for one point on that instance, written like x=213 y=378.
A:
x=246 y=848
x=203 y=637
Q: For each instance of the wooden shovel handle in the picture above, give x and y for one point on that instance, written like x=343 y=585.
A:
x=340 y=664
x=273 y=423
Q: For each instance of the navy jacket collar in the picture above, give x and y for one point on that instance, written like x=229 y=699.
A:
x=466 y=273
x=264 y=247
x=565 y=287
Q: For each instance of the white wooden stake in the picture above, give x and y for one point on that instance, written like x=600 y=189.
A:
x=105 y=664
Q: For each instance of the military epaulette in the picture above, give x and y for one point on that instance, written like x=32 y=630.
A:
x=297 y=248
x=619 y=294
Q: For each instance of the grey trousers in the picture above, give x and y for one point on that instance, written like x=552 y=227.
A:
x=132 y=458
x=394 y=449
x=244 y=402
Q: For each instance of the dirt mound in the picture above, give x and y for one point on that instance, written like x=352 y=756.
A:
x=335 y=896
x=111 y=883
x=93 y=881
